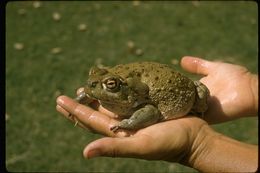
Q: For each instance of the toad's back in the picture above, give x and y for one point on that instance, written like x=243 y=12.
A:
x=170 y=91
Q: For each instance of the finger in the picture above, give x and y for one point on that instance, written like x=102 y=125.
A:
x=107 y=112
x=68 y=116
x=62 y=111
x=88 y=116
x=115 y=147
x=65 y=113
x=196 y=65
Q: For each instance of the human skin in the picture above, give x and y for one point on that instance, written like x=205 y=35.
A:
x=188 y=140
x=233 y=89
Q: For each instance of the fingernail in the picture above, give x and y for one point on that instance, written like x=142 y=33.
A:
x=92 y=153
x=60 y=101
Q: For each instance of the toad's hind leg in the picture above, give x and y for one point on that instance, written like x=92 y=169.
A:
x=202 y=93
x=141 y=118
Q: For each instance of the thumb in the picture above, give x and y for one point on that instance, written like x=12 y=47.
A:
x=113 y=147
x=196 y=65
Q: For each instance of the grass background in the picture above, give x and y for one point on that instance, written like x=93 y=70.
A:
x=38 y=139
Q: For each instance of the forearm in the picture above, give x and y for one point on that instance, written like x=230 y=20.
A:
x=214 y=152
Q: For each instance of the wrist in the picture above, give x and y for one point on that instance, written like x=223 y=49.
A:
x=214 y=152
x=201 y=146
x=200 y=138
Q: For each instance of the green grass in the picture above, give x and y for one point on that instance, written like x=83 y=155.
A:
x=38 y=138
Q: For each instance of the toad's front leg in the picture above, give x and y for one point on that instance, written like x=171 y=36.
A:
x=141 y=118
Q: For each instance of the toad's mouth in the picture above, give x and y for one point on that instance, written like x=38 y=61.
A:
x=86 y=95
x=91 y=96
x=127 y=102
x=111 y=102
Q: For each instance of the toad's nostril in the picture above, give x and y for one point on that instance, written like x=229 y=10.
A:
x=92 y=84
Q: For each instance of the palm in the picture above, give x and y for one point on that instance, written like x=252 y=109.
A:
x=167 y=140
x=229 y=86
x=162 y=141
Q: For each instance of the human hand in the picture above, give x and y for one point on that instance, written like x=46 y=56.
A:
x=233 y=89
x=170 y=140
x=188 y=140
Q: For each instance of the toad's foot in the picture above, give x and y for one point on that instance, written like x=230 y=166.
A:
x=200 y=105
x=141 y=118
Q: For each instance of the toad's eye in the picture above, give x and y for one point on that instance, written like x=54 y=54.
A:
x=111 y=84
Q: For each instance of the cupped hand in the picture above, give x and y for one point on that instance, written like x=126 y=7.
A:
x=232 y=95
x=233 y=89
x=169 y=140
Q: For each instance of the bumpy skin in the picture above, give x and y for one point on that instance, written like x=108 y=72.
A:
x=145 y=93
